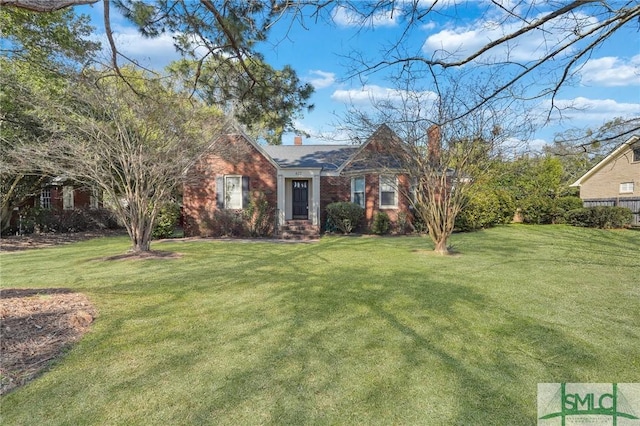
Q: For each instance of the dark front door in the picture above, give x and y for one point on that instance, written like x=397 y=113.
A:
x=301 y=199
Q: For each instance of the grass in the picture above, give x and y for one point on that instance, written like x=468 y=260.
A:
x=349 y=330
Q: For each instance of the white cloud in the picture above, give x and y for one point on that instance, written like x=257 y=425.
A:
x=153 y=53
x=345 y=17
x=435 y=4
x=428 y=26
x=321 y=79
x=593 y=110
x=369 y=94
x=458 y=42
x=611 y=71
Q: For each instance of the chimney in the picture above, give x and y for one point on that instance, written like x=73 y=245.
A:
x=297 y=140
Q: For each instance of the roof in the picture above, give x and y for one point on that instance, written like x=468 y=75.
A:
x=614 y=155
x=325 y=157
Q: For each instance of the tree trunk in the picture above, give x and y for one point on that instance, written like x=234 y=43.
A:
x=140 y=239
x=441 y=246
x=140 y=230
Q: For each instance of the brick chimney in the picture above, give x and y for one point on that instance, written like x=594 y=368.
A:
x=297 y=140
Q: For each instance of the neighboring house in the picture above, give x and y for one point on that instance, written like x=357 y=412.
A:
x=615 y=181
x=56 y=195
x=61 y=193
x=298 y=181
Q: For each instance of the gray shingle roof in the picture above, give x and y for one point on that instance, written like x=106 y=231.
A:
x=327 y=157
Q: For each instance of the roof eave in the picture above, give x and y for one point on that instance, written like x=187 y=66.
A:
x=633 y=139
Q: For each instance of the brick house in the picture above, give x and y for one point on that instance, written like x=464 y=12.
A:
x=615 y=181
x=298 y=181
x=60 y=193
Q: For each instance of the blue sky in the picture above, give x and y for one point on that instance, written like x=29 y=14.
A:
x=607 y=86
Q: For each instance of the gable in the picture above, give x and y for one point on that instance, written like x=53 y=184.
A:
x=621 y=157
x=383 y=150
x=231 y=150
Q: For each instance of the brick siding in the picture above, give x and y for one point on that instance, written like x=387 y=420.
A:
x=232 y=155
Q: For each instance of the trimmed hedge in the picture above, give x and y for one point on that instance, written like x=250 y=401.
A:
x=345 y=216
x=600 y=217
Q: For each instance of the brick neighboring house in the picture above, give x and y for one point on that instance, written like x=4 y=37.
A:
x=60 y=193
x=298 y=181
x=57 y=195
x=615 y=181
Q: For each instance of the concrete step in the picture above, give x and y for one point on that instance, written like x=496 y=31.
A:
x=299 y=230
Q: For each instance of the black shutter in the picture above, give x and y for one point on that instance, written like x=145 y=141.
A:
x=245 y=192
x=220 y=192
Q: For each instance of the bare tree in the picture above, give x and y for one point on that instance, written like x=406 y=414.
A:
x=444 y=151
x=543 y=45
x=133 y=149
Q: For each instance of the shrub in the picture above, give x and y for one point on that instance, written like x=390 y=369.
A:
x=536 y=209
x=560 y=206
x=329 y=226
x=225 y=223
x=345 y=216
x=381 y=223
x=43 y=220
x=485 y=209
x=404 y=223
x=419 y=225
x=600 y=217
x=259 y=216
x=166 y=221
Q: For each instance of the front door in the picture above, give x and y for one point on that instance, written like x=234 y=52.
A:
x=301 y=199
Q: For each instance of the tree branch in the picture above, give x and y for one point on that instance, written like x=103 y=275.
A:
x=45 y=5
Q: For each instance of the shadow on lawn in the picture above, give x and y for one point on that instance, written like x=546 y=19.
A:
x=308 y=347
x=413 y=327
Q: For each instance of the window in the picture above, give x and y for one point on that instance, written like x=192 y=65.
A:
x=636 y=154
x=357 y=191
x=388 y=189
x=232 y=192
x=45 y=198
x=626 y=187
x=67 y=197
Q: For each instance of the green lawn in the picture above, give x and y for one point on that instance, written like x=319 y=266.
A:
x=349 y=330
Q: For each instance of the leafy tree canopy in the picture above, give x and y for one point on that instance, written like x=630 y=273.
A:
x=267 y=110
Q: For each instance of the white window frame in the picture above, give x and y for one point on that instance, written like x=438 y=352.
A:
x=386 y=185
x=228 y=202
x=626 y=187
x=355 y=179
x=45 y=198
x=67 y=197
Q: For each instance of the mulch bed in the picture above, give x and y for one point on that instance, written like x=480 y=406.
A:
x=36 y=327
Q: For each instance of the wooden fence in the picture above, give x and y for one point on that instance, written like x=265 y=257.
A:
x=632 y=204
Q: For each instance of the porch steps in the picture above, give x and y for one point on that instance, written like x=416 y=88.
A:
x=299 y=230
